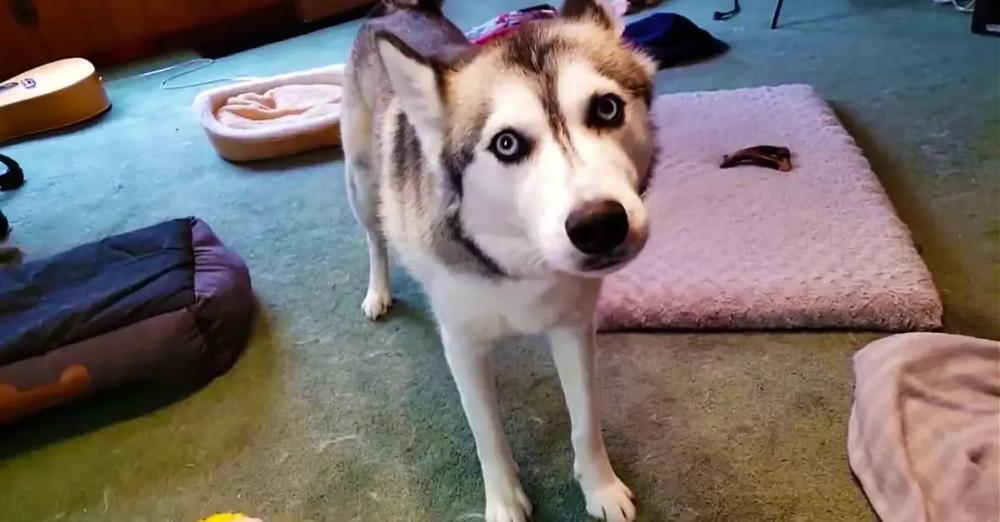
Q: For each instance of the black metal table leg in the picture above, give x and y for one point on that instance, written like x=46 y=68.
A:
x=777 y=13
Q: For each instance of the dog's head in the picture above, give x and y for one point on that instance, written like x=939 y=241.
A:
x=543 y=138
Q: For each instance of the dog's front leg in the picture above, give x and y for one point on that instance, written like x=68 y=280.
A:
x=471 y=363
x=573 y=351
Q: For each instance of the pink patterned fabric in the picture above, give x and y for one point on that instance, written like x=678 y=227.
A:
x=751 y=247
x=924 y=435
x=507 y=23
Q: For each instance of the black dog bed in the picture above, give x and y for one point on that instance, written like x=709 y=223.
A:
x=167 y=304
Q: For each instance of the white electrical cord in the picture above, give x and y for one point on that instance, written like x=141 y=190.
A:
x=967 y=7
x=199 y=64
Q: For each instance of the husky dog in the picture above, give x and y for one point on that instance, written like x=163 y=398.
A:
x=508 y=179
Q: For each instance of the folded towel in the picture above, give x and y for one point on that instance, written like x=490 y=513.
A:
x=286 y=104
x=924 y=434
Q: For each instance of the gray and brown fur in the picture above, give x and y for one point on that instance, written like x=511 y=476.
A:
x=431 y=203
x=490 y=170
x=397 y=155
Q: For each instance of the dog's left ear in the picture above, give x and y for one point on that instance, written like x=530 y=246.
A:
x=600 y=12
x=418 y=82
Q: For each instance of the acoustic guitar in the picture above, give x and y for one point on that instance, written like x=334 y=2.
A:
x=50 y=96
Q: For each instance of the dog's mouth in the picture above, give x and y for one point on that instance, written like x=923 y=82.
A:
x=604 y=262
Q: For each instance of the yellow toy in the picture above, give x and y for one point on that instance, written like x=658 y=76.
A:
x=230 y=517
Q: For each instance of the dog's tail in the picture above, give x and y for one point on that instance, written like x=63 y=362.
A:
x=385 y=7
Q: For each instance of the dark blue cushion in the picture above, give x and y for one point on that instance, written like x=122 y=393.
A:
x=673 y=39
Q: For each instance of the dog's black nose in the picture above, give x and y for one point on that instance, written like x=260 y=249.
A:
x=597 y=227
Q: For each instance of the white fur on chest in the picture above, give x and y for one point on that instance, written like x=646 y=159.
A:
x=491 y=309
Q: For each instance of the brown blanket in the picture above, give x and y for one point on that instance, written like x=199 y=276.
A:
x=924 y=434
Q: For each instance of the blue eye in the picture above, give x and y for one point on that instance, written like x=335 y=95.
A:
x=509 y=146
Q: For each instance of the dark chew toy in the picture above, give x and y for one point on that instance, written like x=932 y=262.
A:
x=770 y=156
x=12 y=176
x=4 y=226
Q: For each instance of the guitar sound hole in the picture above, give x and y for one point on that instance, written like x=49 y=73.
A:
x=24 y=12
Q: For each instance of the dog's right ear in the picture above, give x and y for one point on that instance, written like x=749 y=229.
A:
x=418 y=82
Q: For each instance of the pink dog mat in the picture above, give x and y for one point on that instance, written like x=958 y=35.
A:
x=924 y=435
x=749 y=247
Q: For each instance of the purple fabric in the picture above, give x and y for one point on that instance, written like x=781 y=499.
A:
x=183 y=347
x=160 y=349
x=224 y=304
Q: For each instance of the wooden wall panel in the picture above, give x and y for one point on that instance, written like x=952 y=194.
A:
x=179 y=15
x=130 y=20
x=111 y=31
x=233 y=8
x=21 y=48
x=75 y=27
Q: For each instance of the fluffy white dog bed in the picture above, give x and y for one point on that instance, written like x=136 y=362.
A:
x=275 y=116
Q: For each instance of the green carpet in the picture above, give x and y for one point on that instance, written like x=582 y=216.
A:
x=330 y=418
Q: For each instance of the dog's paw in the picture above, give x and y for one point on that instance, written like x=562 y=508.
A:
x=510 y=505
x=611 y=502
x=376 y=303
